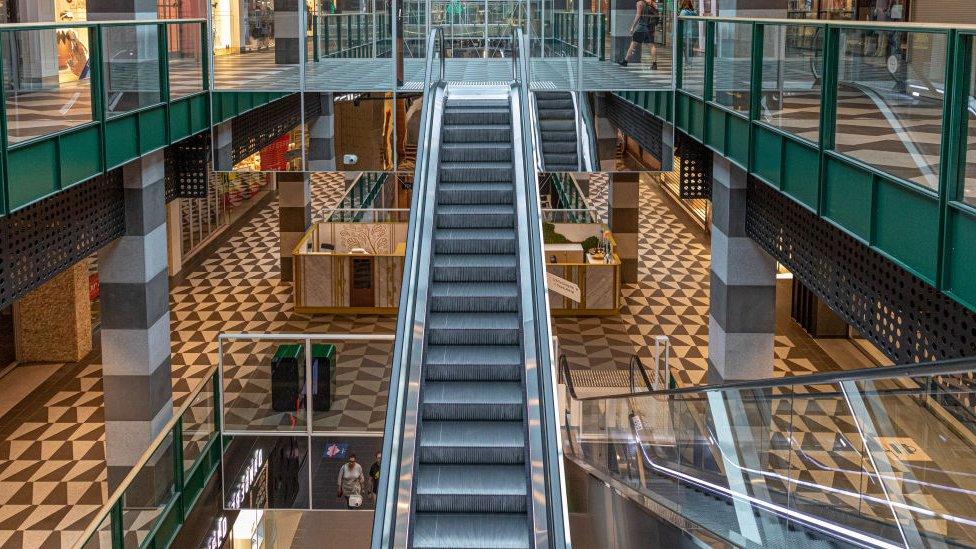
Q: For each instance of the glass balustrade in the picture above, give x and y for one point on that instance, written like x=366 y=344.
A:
x=792 y=76
x=881 y=459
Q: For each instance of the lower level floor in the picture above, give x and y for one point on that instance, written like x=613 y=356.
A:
x=53 y=475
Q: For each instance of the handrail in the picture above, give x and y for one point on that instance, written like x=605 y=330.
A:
x=398 y=445
x=164 y=433
x=550 y=520
x=590 y=160
x=84 y=24
x=839 y=23
x=943 y=368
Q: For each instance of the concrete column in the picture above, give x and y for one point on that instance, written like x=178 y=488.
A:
x=135 y=320
x=174 y=237
x=223 y=145
x=321 y=137
x=294 y=216
x=624 y=221
x=53 y=322
x=667 y=148
x=742 y=299
x=288 y=31
x=37 y=54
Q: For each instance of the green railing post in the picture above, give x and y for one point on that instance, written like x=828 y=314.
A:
x=828 y=105
x=952 y=154
x=205 y=58
x=179 y=482
x=115 y=524
x=708 y=85
x=679 y=53
x=755 y=87
x=162 y=36
x=96 y=77
x=4 y=188
x=603 y=36
x=315 y=37
x=338 y=22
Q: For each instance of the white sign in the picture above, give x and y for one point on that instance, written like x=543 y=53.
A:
x=564 y=287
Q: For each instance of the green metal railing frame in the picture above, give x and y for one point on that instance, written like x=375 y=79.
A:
x=187 y=486
x=37 y=168
x=330 y=42
x=359 y=197
x=930 y=233
x=565 y=33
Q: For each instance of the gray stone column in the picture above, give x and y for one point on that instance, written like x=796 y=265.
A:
x=624 y=221
x=37 y=51
x=223 y=146
x=667 y=147
x=294 y=216
x=135 y=329
x=742 y=299
x=288 y=31
x=321 y=137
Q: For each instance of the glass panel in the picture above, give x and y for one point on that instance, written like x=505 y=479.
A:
x=151 y=489
x=130 y=57
x=345 y=467
x=968 y=192
x=351 y=50
x=265 y=472
x=185 y=60
x=198 y=425
x=263 y=385
x=627 y=49
x=693 y=62
x=554 y=64
x=256 y=47
x=102 y=537
x=341 y=371
x=924 y=451
x=889 y=101
x=46 y=79
x=791 y=75
x=733 y=65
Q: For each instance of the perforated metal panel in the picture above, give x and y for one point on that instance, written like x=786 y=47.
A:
x=906 y=318
x=643 y=127
x=44 y=239
x=255 y=130
x=188 y=167
x=694 y=167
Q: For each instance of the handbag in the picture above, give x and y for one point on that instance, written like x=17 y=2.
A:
x=355 y=501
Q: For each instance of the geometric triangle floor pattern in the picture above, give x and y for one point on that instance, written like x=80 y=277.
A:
x=670 y=298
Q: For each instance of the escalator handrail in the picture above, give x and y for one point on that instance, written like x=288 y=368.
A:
x=589 y=159
x=941 y=368
x=550 y=520
x=391 y=517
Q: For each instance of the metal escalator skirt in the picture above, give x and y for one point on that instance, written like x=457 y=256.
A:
x=550 y=522
x=391 y=522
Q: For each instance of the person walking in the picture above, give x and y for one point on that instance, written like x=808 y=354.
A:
x=642 y=31
x=351 y=482
x=374 y=475
x=687 y=9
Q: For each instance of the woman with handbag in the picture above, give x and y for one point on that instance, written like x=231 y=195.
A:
x=642 y=31
x=351 y=481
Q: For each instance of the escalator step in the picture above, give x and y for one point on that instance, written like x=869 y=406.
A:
x=474 y=241
x=472 y=442
x=559 y=147
x=476 y=152
x=557 y=126
x=475 y=268
x=474 y=297
x=473 y=363
x=468 y=329
x=486 y=216
x=475 y=193
x=471 y=531
x=559 y=136
x=476 y=133
x=471 y=489
x=459 y=172
x=473 y=401
x=477 y=115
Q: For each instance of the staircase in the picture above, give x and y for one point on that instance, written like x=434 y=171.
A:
x=471 y=487
x=557 y=128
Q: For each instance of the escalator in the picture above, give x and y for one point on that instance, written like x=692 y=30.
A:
x=866 y=458
x=472 y=448
x=565 y=131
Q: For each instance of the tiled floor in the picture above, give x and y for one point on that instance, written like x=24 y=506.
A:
x=52 y=473
x=670 y=298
